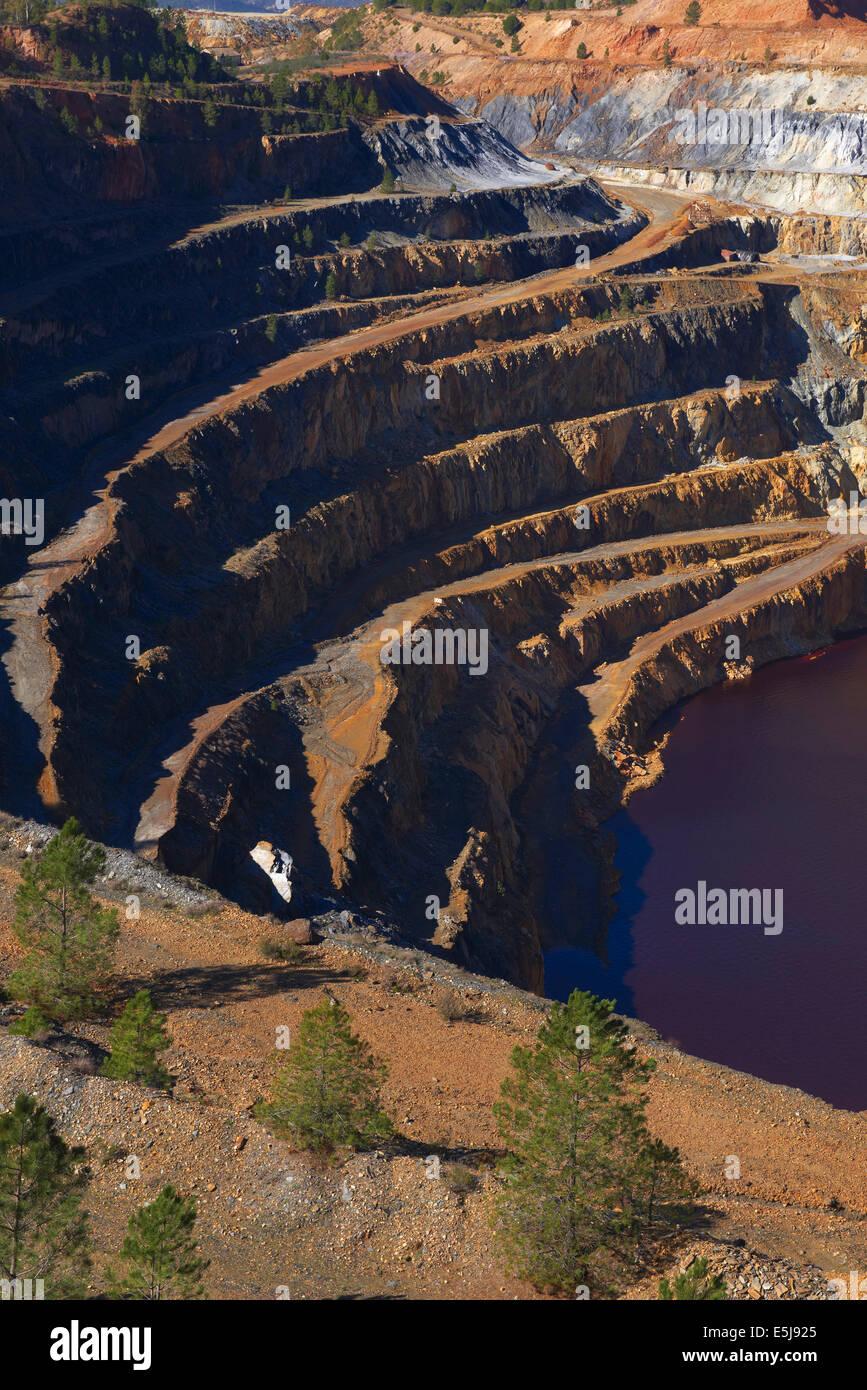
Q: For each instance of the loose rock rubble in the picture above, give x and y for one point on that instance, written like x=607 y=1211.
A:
x=749 y=1276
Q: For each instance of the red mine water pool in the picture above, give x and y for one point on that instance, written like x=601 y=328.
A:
x=765 y=788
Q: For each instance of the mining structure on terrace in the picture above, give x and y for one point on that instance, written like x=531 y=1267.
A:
x=505 y=397
x=788 y=76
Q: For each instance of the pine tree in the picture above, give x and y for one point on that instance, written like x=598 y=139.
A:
x=693 y=12
x=694 y=1285
x=135 y=1039
x=161 y=1252
x=328 y=1096
x=331 y=285
x=585 y=1191
x=43 y=1232
x=68 y=938
x=387 y=185
x=372 y=106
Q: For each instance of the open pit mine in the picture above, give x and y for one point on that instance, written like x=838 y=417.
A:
x=402 y=415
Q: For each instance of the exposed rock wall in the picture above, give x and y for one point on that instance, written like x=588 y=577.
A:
x=768 y=144
x=840 y=195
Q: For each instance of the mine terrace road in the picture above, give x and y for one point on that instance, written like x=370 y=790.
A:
x=28 y=659
x=606 y=693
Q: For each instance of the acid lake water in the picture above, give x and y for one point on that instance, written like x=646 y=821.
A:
x=765 y=787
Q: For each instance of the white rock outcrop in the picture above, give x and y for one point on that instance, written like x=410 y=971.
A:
x=277 y=864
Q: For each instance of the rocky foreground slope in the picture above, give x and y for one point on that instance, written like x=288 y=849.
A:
x=378 y=1225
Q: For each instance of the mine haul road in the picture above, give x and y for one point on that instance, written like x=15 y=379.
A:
x=29 y=659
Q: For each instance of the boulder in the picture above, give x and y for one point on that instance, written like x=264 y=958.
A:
x=298 y=930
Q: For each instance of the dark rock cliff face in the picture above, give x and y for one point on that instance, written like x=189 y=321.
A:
x=177 y=157
x=807 y=617
x=836 y=9
x=172 y=290
x=517 y=469
x=456 y=755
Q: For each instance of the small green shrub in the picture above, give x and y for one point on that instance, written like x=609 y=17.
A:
x=286 y=950
x=694 y=1285
x=459 y=1179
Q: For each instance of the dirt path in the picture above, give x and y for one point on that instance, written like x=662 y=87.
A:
x=479 y=44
